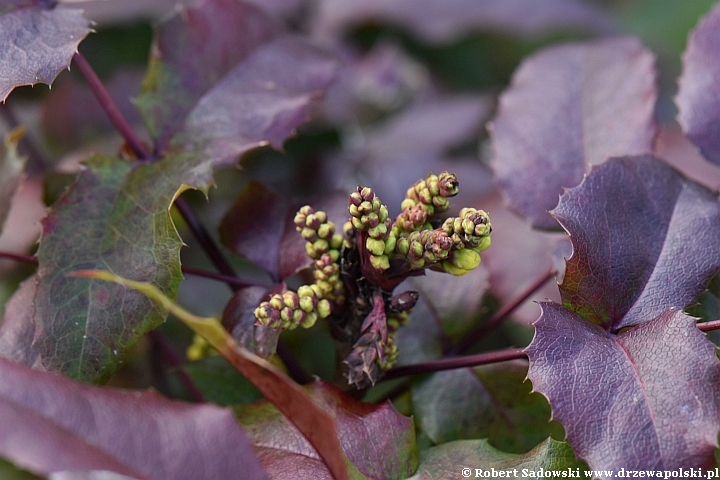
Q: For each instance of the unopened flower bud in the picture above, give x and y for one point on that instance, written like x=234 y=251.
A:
x=323 y=308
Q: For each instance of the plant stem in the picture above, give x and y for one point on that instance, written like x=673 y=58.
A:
x=175 y=361
x=500 y=315
x=18 y=257
x=709 y=326
x=112 y=111
x=456 y=362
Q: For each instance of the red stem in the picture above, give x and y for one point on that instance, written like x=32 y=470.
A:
x=500 y=315
x=456 y=362
x=112 y=111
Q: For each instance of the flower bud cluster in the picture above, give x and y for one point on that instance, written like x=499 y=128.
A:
x=432 y=193
x=288 y=310
x=302 y=308
x=369 y=215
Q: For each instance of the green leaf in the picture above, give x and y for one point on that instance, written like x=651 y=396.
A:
x=377 y=440
x=12 y=165
x=492 y=402
x=447 y=461
x=9 y=471
x=220 y=383
x=114 y=217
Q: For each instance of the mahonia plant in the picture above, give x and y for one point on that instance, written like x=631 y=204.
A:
x=357 y=271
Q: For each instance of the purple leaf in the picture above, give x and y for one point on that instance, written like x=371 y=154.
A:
x=376 y=439
x=261 y=101
x=52 y=424
x=239 y=319
x=36 y=42
x=439 y=21
x=644 y=238
x=637 y=400
x=193 y=50
x=567 y=108
x=698 y=98
x=259 y=227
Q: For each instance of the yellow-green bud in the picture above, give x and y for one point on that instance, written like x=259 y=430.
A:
x=323 y=308
x=466 y=259
x=376 y=247
x=380 y=261
x=390 y=243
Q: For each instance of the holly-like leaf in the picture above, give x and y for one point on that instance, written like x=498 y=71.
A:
x=115 y=216
x=698 y=98
x=644 y=239
x=567 y=108
x=261 y=101
x=37 y=41
x=438 y=21
x=376 y=439
x=637 y=400
x=12 y=165
x=239 y=319
x=192 y=51
x=447 y=461
x=259 y=227
x=486 y=402
x=220 y=383
x=52 y=424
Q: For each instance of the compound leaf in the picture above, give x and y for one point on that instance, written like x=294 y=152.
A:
x=569 y=107
x=37 y=42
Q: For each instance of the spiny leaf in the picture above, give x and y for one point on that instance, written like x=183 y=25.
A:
x=446 y=461
x=569 y=107
x=315 y=423
x=486 y=402
x=644 y=238
x=637 y=400
x=378 y=441
x=12 y=165
x=36 y=42
x=52 y=424
x=698 y=98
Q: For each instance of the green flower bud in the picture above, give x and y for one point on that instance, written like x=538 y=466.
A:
x=448 y=267
x=276 y=302
x=379 y=231
x=484 y=244
x=323 y=308
x=390 y=243
x=374 y=246
x=466 y=259
x=326 y=230
x=290 y=299
x=380 y=262
x=309 y=320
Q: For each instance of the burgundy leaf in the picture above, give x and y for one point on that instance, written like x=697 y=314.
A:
x=52 y=424
x=259 y=227
x=698 y=98
x=439 y=21
x=261 y=101
x=569 y=107
x=376 y=439
x=36 y=42
x=193 y=50
x=239 y=319
x=637 y=400
x=644 y=238
x=17 y=330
